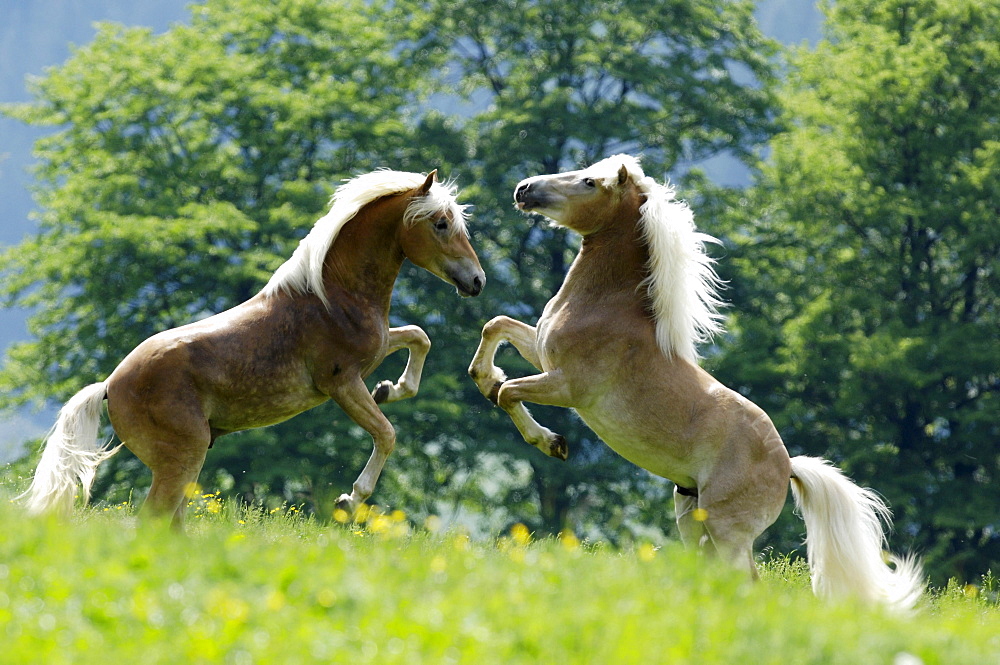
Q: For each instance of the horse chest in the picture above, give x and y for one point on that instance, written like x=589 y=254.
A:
x=574 y=331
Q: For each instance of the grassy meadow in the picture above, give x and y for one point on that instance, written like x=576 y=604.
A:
x=246 y=586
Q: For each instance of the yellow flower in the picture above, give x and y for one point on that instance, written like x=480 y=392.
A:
x=699 y=514
x=520 y=534
x=569 y=540
x=647 y=552
x=363 y=513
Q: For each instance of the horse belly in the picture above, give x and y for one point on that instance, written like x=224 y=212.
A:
x=648 y=445
x=263 y=401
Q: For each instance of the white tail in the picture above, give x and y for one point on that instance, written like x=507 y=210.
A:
x=844 y=538
x=71 y=454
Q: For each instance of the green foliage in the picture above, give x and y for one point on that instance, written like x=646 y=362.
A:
x=245 y=586
x=550 y=87
x=865 y=268
x=183 y=167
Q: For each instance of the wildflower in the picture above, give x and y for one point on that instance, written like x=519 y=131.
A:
x=363 y=513
x=461 y=542
x=569 y=540
x=647 y=552
x=699 y=514
x=520 y=534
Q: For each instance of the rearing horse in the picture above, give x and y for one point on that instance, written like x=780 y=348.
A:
x=315 y=331
x=617 y=344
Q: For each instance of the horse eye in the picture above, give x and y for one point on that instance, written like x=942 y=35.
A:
x=589 y=182
x=441 y=225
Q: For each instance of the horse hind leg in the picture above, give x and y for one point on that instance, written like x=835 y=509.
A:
x=728 y=514
x=360 y=406
x=690 y=522
x=173 y=484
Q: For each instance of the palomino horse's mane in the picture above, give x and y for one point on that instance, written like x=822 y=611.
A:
x=303 y=272
x=682 y=282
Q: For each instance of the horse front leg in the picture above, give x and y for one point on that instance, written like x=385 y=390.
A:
x=359 y=405
x=548 y=388
x=418 y=344
x=484 y=372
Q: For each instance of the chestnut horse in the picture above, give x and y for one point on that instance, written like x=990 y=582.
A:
x=617 y=344
x=316 y=330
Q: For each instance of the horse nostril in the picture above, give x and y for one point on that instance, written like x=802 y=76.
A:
x=477 y=284
x=520 y=192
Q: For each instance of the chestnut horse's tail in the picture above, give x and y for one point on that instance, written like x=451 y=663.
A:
x=844 y=538
x=71 y=455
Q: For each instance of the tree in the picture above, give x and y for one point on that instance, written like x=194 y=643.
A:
x=183 y=170
x=866 y=277
x=559 y=85
x=186 y=166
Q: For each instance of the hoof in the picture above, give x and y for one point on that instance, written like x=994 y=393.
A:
x=381 y=392
x=346 y=504
x=494 y=395
x=559 y=448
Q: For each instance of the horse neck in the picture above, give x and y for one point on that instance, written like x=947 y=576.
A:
x=366 y=256
x=612 y=260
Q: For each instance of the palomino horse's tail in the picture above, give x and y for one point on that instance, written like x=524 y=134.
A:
x=71 y=454
x=844 y=538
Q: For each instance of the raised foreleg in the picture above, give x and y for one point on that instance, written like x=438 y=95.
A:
x=548 y=388
x=354 y=399
x=416 y=341
x=484 y=372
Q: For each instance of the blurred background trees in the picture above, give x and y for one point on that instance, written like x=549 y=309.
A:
x=865 y=267
x=182 y=168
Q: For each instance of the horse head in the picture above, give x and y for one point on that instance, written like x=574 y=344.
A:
x=588 y=200
x=435 y=237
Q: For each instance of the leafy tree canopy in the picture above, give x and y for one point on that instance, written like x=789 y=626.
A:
x=867 y=267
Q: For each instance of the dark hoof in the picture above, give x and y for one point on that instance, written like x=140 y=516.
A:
x=344 y=504
x=559 y=448
x=494 y=395
x=381 y=392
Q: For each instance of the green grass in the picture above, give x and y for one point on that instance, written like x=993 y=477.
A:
x=246 y=587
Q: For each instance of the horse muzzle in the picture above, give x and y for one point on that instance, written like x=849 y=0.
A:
x=469 y=282
x=530 y=194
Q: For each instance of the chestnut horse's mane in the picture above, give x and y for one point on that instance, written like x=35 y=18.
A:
x=303 y=272
x=682 y=281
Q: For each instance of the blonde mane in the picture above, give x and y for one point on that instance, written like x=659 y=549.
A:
x=303 y=272
x=682 y=281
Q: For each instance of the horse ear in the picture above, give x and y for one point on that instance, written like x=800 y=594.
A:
x=622 y=175
x=426 y=187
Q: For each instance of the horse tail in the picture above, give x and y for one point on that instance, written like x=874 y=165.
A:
x=71 y=454
x=844 y=538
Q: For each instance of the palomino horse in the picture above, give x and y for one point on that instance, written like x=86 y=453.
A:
x=617 y=344
x=316 y=330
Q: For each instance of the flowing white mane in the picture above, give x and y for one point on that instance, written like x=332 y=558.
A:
x=682 y=282
x=303 y=272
